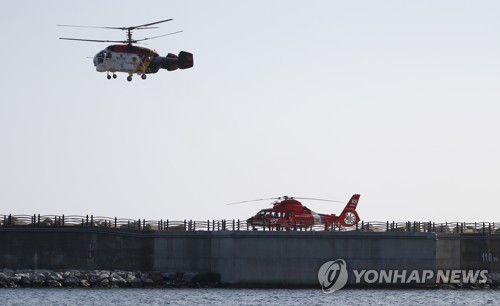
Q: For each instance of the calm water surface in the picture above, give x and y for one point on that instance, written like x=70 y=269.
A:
x=129 y=296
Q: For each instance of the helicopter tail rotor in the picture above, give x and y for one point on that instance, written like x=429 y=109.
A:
x=349 y=216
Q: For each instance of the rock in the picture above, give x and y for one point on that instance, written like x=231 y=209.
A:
x=157 y=278
x=15 y=279
x=50 y=275
x=116 y=279
x=52 y=283
x=494 y=277
x=169 y=276
x=25 y=281
x=446 y=286
x=84 y=283
x=36 y=279
x=104 y=283
x=103 y=275
x=146 y=279
x=71 y=281
x=93 y=279
x=188 y=277
x=134 y=281
x=123 y=274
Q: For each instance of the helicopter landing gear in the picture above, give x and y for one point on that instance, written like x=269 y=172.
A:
x=109 y=77
x=129 y=78
x=114 y=76
x=143 y=76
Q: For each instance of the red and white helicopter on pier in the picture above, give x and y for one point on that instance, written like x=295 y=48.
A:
x=288 y=213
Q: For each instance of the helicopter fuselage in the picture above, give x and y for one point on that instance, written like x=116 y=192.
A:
x=138 y=60
x=290 y=213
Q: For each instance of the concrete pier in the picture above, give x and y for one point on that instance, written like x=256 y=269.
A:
x=244 y=258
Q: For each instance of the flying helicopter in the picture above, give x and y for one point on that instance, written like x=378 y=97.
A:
x=288 y=213
x=128 y=58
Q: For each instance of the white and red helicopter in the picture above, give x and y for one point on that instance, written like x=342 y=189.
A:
x=131 y=59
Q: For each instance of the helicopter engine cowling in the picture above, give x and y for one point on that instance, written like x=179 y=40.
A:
x=185 y=60
x=171 y=62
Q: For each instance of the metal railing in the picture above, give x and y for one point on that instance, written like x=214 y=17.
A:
x=38 y=220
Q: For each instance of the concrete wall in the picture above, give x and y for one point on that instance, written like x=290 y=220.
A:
x=249 y=258
x=468 y=252
x=244 y=258
x=75 y=248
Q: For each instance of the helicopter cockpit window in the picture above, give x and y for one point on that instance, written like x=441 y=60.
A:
x=100 y=57
x=108 y=55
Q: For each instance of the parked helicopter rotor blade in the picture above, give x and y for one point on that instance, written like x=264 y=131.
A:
x=157 y=36
x=253 y=201
x=92 y=40
x=325 y=200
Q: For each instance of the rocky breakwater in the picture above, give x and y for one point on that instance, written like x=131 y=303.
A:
x=106 y=279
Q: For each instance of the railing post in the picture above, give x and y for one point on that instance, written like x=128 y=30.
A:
x=208 y=225
x=91 y=220
x=115 y=221
x=238 y=224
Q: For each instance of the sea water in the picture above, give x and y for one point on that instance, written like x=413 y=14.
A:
x=216 y=296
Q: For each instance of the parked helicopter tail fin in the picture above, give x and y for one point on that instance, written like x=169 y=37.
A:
x=349 y=216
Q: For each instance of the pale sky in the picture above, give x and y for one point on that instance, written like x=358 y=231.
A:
x=396 y=100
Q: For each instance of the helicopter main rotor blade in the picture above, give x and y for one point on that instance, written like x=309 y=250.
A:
x=93 y=27
x=253 y=201
x=139 y=27
x=92 y=40
x=148 y=24
x=300 y=198
x=157 y=36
